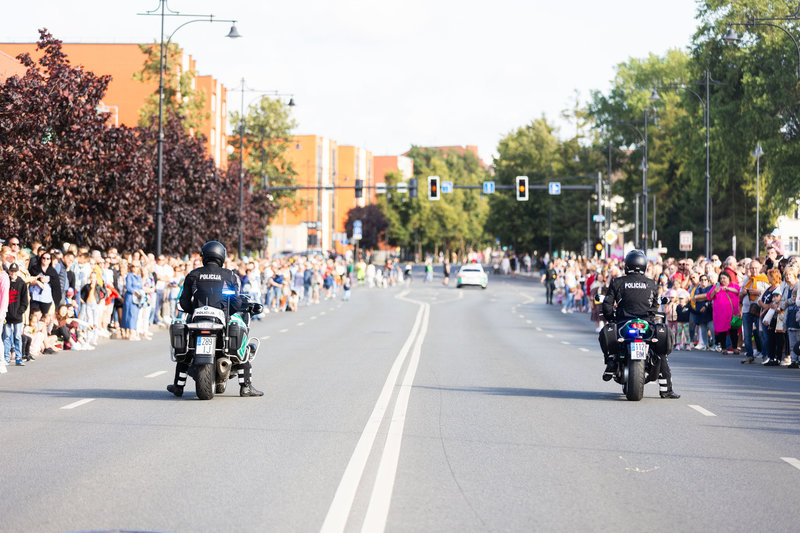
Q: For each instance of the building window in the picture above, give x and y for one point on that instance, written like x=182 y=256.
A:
x=794 y=245
x=213 y=102
x=213 y=137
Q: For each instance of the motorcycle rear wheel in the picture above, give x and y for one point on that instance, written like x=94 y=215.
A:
x=634 y=389
x=204 y=382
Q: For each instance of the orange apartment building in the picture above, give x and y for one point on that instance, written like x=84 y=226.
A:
x=125 y=96
x=317 y=218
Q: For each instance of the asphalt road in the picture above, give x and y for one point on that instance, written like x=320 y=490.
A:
x=420 y=408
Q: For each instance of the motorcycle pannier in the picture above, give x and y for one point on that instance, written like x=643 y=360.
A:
x=237 y=333
x=664 y=340
x=609 y=341
x=177 y=336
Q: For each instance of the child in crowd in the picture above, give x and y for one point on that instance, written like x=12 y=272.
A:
x=294 y=300
x=670 y=310
x=682 y=338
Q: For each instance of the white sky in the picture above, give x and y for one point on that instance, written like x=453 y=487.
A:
x=386 y=74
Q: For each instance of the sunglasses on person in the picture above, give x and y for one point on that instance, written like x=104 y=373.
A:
x=13 y=243
x=45 y=257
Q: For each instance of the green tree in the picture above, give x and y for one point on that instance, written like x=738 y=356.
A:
x=180 y=96
x=268 y=126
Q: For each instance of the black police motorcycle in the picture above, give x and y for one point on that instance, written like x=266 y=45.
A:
x=212 y=341
x=636 y=346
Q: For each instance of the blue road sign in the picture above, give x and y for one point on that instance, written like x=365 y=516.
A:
x=356 y=229
x=554 y=187
x=488 y=187
x=447 y=187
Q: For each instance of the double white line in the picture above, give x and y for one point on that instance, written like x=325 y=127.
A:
x=378 y=509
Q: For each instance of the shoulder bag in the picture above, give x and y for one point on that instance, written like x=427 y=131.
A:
x=736 y=317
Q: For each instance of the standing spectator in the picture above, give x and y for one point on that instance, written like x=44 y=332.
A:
x=682 y=311
x=767 y=302
x=92 y=296
x=5 y=282
x=61 y=264
x=346 y=286
x=598 y=290
x=725 y=298
x=163 y=274
x=755 y=283
x=275 y=288
x=17 y=305
x=132 y=302
x=45 y=268
x=787 y=300
x=446 y=270
x=703 y=315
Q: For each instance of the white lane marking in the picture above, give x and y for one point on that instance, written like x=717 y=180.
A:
x=704 y=412
x=538 y=329
x=322 y=312
x=313 y=318
x=548 y=335
x=339 y=511
x=156 y=374
x=265 y=337
x=564 y=342
x=584 y=349
x=529 y=321
x=522 y=316
x=792 y=461
x=284 y=330
x=381 y=499
x=73 y=405
x=301 y=323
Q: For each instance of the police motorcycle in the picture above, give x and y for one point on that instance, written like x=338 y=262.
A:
x=212 y=341
x=636 y=346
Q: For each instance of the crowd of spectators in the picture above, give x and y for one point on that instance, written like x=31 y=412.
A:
x=734 y=306
x=70 y=298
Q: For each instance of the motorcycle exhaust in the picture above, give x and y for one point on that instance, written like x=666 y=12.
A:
x=224 y=366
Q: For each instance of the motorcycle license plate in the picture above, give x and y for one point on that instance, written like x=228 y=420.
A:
x=205 y=345
x=638 y=350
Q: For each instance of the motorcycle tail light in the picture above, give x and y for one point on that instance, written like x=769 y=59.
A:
x=205 y=332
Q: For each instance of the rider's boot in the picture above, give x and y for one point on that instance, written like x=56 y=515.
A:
x=247 y=390
x=611 y=366
x=175 y=389
x=670 y=394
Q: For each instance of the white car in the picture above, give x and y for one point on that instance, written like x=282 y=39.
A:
x=472 y=274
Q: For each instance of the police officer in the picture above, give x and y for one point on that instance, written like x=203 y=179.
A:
x=634 y=295
x=203 y=287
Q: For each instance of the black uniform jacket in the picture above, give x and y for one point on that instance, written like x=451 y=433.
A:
x=635 y=296
x=204 y=285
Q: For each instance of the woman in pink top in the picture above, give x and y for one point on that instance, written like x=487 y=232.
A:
x=725 y=299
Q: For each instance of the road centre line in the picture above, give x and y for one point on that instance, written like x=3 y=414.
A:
x=73 y=405
x=284 y=330
x=704 y=412
x=314 y=317
x=339 y=511
x=156 y=374
x=301 y=323
x=529 y=321
x=265 y=337
x=548 y=335
x=522 y=316
x=792 y=461
x=584 y=349
x=538 y=328
x=378 y=509
x=564 y=342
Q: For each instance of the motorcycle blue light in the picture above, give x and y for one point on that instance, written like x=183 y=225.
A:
x=228 y=292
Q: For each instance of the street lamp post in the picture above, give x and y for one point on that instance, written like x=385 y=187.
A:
x=706 y=104
x=757 y=153
x=731 y=36
x=241 y=157
x=163 y=11
x=643 y=137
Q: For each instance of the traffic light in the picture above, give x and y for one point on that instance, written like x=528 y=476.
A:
x=359 y=188
x=433 y=187
x=522 y=188
x=598 y=247
x=412 y=188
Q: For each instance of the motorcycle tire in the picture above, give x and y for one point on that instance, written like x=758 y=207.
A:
x=204 y=382
x=634 y=389
x=220 y=388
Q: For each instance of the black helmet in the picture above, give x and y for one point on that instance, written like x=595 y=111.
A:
x=214 y=252
x=635 y=261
